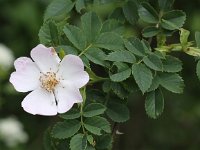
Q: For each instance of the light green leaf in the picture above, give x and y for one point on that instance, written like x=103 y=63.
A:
x=147 y=13
x=142 y=76
x=97 y=124
x=75 y=36
x=112 y=25
x=184 y=34
x=91 y=25
x=135 y=46
x=96 y=55
x=58 y=8
x=109 y=41
x=121 y=56
x=198 y=69
x=123 y=72
x=173 y=20
x=197 y=38
x=65 y=129
x=172 y=82
x=154 y=103
x=71 y=114
x=172 y=64
x=80 y=4
x=193 y=51
x=165 y=4
x=67 y=49
x=118 y=112
x=93 y=109
x=153 y=62
x=78 y=142
x=130 y=12
x=150 y=31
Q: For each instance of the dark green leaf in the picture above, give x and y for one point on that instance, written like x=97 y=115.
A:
x=110 y=41
x=91 y=25
x=135 y=46
x=172 y=64
x=118 y=112
x=150 y=31
x=112 y=25
x=67 y=49
x=104 y=142
x=58 y=8
x=172 y=82
x=165 y=4
x=123 y=72
x=93 y=109
x=78 y=142
x=71 y=114
x=173 y=20
x=153 y=62
x=119 y=90
x=130 y=12
x=96 y=55
x=154 y=103
x=147 y=13
x=80 y=4
x=97 y=124
x=121 y=56
x=65 y=129
x=155 y=83
x=75 y=36
x=142 y=76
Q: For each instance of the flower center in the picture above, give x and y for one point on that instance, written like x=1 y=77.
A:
x=49 y=81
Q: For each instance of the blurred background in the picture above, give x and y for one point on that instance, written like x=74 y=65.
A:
x=177 y=128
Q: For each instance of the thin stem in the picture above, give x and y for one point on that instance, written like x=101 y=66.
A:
x=85 y=50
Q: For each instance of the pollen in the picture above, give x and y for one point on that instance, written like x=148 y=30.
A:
x=49 y=81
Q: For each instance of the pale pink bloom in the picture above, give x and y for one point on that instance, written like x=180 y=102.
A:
x=54 y=83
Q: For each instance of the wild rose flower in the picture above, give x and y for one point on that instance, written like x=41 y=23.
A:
x=54 y=83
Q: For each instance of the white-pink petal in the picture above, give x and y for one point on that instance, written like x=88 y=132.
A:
x=72 y=69
x=40 y=102
x=66 y=95
x=46 y=58
x=27 y=74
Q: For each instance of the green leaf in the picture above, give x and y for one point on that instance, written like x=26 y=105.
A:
x=80 y=4
x=193 y=51
x=97 y=124
x=130 y=12
x=109 y=41
x=85 y=61
x=47 y=140
x=172 y=82
x=118 y=112
x=135 y=46
x=118 y=15
x=112 y=25
x=154 y=103
x=78 y=142
x=172 y=64
x=71 y=114
x=119 y=90
x=123 y=72
x=93 y=109
x=75 y=36
x=155 y=83
x=90 y=148
x=142 y=76
x=173 y=20
x=104 y=142
x=153 y=62
x=150 y=31
x=121 y=56
x=96 y=56
x=197 y=38
x=91 y=25
x=65 y=129
x=165 y=4
x=184 y=34
x=67 y=49
x=58 y=8
x=198 y=69
x=147 y=13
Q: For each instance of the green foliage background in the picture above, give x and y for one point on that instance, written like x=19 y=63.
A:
x=177 y=128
